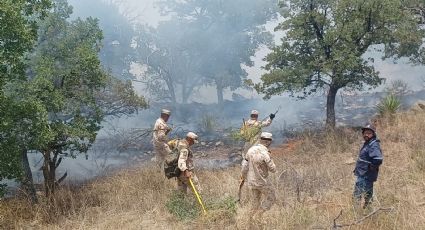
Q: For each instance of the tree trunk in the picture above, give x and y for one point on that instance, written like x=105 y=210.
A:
x=49 y=173
x=220 y=94
x=330 y=107
x=27 y=180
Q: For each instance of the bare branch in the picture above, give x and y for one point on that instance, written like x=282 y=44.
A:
x=62 y=178
x=336 y=226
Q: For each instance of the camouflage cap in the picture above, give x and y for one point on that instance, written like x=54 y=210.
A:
x=266 y=135
x=192 y=136
x=254 y=112
x=165 y=111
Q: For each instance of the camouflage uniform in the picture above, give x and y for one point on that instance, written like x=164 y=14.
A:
x=185 y=162
x=254 y=123
x=255 y=169
x=160 y=140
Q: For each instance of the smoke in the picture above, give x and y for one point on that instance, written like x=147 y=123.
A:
x=238 y=103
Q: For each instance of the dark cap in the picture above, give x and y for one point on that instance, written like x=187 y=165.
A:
x=369 y=127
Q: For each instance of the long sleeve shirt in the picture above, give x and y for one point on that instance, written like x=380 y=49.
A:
x=159 y=132
x=256 y=166
x=256 y=123
x=369 y=160
x=185 y=161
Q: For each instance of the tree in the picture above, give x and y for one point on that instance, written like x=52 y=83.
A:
x=67 y=79
x=325 y=42
x=220 y=36
x=417 y=7
x=116 y=52
x=18 y=33
x=58 y=106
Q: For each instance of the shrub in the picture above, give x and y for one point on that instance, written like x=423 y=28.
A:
x=388 y=105
x=247 y=134
x=182 y=207
x=208 y=123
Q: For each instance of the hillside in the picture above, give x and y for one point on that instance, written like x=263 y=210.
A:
x=314 y=182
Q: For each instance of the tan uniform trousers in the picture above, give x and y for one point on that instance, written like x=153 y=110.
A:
x=161 y=152
x=256 y=194
x=183 y=183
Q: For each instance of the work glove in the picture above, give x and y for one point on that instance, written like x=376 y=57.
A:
x=167 y=130
x=272 y=116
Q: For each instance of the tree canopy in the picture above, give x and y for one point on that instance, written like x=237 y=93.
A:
x=325 y=42
x=18 y=32
x=57 y=106
x=204 y=43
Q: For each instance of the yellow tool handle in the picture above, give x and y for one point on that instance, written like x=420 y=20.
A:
x=197 y=195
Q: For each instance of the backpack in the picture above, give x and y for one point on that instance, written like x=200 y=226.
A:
x=171 y=168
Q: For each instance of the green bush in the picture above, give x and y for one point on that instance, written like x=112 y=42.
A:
x=182 y=206
x=228 y=203
x=388 y=105
x=247 y=134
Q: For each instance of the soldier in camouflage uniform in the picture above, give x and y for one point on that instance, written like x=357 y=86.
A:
x=160 y=138
x=252 y=129
x=185 y=163
x=254 y=122
x=256 y=166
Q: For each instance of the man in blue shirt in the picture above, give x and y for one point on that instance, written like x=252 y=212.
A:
x=367 y=166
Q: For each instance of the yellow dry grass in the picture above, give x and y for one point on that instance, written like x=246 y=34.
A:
x=313 y=184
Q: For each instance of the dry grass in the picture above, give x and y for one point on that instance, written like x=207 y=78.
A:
x=314 y=183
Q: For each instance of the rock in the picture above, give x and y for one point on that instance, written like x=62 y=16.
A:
x=218 y=143
x=203 y=143
x=153 y=159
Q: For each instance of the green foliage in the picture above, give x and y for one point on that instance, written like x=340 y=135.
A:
x=229 y=204
x=17 y=35
x=57 y=108
x=116 y=52
x=182 y=206
x=246 y=134
x=388 y=105
x=20 y=125
x=185 y=207
x=66 y=72
x=118 y=98
x=325 y=42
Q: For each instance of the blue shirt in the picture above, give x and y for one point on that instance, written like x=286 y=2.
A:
x=370 y=158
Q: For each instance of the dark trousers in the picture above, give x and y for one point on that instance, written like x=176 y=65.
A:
x=363 y=187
